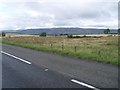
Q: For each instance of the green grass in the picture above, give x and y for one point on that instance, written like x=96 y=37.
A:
x=102 y=50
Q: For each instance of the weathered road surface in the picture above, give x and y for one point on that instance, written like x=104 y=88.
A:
x=26 y=68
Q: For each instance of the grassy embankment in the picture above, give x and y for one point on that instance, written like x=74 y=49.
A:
x=104 y=49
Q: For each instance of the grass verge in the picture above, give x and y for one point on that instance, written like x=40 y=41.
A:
x=102 y=55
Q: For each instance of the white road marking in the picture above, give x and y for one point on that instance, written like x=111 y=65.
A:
x=84 y=84
x=46 y=70
x=25 y=61
x=73 y=80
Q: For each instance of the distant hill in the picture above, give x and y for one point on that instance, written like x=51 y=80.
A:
x=61 y=31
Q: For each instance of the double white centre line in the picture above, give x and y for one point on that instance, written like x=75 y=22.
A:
x=25 y=61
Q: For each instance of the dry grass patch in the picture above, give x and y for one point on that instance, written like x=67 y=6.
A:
x=104 y=49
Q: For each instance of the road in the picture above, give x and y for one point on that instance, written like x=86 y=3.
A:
x=26 y=68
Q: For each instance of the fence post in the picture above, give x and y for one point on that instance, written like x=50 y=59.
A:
x=99 y=52
x=75 y=48
x=62 y=46
x=51 y=45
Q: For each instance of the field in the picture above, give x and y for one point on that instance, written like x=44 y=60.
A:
x=103 y=49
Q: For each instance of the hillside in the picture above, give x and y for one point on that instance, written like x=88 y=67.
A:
x=60 y=31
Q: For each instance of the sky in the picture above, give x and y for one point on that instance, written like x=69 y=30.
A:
x=26 y=14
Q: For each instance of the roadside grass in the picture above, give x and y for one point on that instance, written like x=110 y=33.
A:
x=0 y=39
x=104 y=49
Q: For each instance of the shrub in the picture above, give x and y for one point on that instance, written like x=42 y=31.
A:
x=43 y=34
x=106 y=31
x=3 y=34
x=69 y=36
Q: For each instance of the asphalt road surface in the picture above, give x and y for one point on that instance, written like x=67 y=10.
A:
x=26 y=68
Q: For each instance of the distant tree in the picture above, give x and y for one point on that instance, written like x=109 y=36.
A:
x=61 y=34
x=56 y=35
x=66 y=34
x=3 y=34
x=69 y=36
x=106 y=31
x=43 y=34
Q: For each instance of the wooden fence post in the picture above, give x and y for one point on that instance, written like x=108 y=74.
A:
x=62 y=46
x=51 y=45
x=75 y=48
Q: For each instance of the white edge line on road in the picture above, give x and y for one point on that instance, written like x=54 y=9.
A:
x=84 y=84
x=25 y=61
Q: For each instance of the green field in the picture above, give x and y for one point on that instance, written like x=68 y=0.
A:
x=104 y=49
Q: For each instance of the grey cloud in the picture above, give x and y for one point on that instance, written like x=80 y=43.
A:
x=64 y=14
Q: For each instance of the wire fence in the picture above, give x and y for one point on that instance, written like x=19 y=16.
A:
x=62 y=46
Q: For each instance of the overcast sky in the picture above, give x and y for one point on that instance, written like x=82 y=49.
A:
x=23 y=14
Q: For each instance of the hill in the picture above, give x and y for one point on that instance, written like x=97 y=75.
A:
x=60 y=31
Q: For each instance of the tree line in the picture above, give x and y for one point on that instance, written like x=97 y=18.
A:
x=106 y=31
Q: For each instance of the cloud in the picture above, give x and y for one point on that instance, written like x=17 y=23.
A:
x=53 y=13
